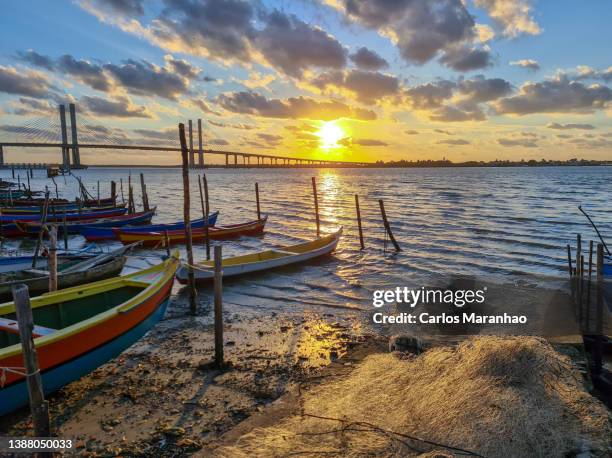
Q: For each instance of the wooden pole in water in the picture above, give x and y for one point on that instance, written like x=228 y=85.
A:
x=56 y=191
x=387 y=226
x=167 y=242
x=43 y=222
x=143 y=190
x=590 y=274
x=53 y=258
x=257 y=200
x=359 y=221
x=114 y=193
x=121 y=184
x=201 y=198
x=187 y=218
x=131 y=205
x=578 y=252
x=218 y=307
x=316 y=204
x=98 y=193
x=25 y=321
x=207 y=212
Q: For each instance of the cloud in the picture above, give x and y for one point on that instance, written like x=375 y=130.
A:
x=367 y=59
x=481 y=89
x=29 y=83
x=270 y=139
x=513 y=16
x=33 y=106
x=349 y=141
x=450 y=101
x=233 y=126
x=90 y=74
x=202 y=105
x=430 y=95
x=121 y=7
x=445 y=132
x=292 y=108
x=450 y=113
x=584 y=72
x=465 y=59
x=146 y=79
x=219 y=29
x=218 y=141
x=293 y=46
x=454 y=142
x=411 y=132
x=368 y=87
x=33 y=58
x=169 y=133
x=141 y=78
x=529 y=64
x=556 y=125
x=422 y=29
x=233 y=31
x=556 y=96
x=121 y=107
x=524 y=142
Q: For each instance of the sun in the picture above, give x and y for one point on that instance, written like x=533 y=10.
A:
x=330 y=133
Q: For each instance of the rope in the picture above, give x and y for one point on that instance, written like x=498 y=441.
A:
x=14 y=370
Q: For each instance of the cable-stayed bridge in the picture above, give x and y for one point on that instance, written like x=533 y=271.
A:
x=70 y=136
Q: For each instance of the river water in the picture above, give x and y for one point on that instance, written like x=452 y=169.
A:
x=502 y=224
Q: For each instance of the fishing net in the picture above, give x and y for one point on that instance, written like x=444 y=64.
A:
x=489 y=396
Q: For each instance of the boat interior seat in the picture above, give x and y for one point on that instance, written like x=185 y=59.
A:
x=12 y=327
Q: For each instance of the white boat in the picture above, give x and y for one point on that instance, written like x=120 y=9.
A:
x=264 y=260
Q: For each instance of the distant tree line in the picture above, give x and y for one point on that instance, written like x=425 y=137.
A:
x=495 y=163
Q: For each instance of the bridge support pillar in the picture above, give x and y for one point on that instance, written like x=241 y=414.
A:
x=200 y=150
x=64 y=132
x=76 y=155
x=235 y=160
x=227 y=160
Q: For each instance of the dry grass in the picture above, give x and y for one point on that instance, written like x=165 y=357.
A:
x=497 y=396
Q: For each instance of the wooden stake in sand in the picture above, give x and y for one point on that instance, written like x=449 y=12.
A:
x=207 y=212
x=316 y=204
x=25 y=321
x=218 y=307
x=387 y=226
x=359 y=221
x=187 y=218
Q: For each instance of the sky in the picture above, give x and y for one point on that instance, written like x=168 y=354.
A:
x=352 y=80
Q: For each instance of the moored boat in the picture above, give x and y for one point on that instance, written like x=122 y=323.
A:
x=152 y=238
x=56 y=208
x=264 y=260
x=71 y=271
x=96 y=233
x=74 y=227
x=78 y=329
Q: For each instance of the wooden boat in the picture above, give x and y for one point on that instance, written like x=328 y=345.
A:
x=74 y=227
x=16 y=263
x=152 y=239
x=8 y=224
x=78 y=329
x=71 y=272
x=56 y=208
x=264 y=260
x=96 y=233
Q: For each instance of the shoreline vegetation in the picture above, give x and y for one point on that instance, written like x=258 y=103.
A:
x=427 y=163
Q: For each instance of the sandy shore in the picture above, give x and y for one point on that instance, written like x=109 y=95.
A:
x=159 y=397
